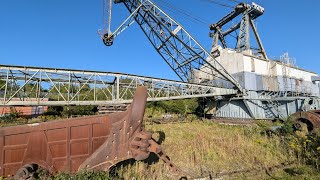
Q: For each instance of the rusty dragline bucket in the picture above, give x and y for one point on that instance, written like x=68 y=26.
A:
x=86 y=143
x=309 y=118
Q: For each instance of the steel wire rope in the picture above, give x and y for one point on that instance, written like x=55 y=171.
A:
x=234 y=1
x=171 y=8
x=218 y=3
x=190 y=19
x=187 y=14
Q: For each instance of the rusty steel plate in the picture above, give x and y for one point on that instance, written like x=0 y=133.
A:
x=316 y=111
x=310 y=118
x=69 y=145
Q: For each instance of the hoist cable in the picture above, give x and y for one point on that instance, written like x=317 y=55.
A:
x=184 y=12
x=234 y=1
x=219 y=3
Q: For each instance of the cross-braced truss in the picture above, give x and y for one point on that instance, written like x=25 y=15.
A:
x=49 y=86
x=186 y=57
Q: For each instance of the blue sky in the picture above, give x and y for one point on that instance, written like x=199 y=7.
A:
x=63 y=34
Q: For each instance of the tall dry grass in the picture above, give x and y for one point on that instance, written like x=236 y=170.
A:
x=202 y=148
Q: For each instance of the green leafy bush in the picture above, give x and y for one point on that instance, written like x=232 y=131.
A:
x=306 y=148
x=9 y=118
x=78 y=110
x=184 y=106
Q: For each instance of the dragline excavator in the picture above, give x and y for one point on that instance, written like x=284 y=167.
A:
x=266 y=88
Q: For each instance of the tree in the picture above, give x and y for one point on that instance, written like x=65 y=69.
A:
x=184 y=106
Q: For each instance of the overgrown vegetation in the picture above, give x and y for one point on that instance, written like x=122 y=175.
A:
x=10 y=118
x=82 y=175
x=99 y=175
x=53 y=113
x=304 y=144
x=205 y=148
x=154 y=110
x=180 y=107
x=68 y=111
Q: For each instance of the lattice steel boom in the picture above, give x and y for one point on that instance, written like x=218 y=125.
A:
x=20 y=85
x=177 y=47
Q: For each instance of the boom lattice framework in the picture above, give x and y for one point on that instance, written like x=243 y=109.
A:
x=177 y=47
x=21 y=85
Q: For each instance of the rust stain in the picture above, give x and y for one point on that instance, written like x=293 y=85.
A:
x=310 y=118
x=91 y=143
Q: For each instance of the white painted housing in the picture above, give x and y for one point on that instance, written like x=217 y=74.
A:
x=258 y=74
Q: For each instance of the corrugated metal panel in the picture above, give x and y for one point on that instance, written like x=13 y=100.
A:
x=250 y=81
x=233 y=109
x=259 y=82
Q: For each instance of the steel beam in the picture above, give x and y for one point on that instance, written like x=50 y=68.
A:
x=34 y=86
x=175 y=45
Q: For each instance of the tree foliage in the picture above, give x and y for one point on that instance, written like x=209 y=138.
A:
x=67 y=111
x=184 y=106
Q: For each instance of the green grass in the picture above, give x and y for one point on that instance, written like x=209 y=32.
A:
x=82 y=175
x=203 y=148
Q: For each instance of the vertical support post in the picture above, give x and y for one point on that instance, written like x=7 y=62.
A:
x=220 y=36
x=6 y=88
x=118 y=88
x=152 y=89
x=36 y=90
x=287 y=108
x=247 y=19
x=298 y=105
x=69 y=85
x=112 y=93
x=39 y=87
x=244 y=33
x=204 y=108
x=94 y=87
x=78 y=94
x=215 y=39
x=254 y=29
x=59 y=89
x=24 y=88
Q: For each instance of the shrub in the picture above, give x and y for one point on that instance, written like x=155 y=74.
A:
x=9 y=118
x=184 y=106
x=307 y=148
x=79 y=110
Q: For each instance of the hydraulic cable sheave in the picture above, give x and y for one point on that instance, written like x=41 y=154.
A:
x=177 y=47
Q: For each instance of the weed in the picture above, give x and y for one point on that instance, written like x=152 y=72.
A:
x=83 y=175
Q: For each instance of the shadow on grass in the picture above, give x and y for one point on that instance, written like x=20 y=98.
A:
x=294 y=171
x=152 y=159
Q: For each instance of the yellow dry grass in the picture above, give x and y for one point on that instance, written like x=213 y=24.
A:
x=202 y=148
